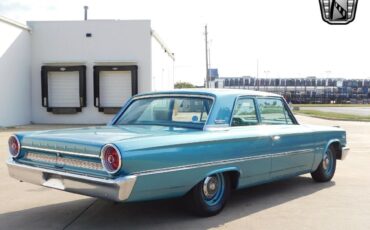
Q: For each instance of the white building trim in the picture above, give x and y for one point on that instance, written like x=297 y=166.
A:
x=163 y=45
x=14 y=23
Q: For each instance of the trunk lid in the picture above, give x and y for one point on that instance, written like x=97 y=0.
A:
x=89 y=140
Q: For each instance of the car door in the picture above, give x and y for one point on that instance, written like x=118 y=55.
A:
x=293 y=146
x=253 y=145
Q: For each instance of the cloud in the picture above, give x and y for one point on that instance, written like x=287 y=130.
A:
x=9 y=7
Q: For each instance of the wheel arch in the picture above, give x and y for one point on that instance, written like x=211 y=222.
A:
x=337 y=146
x=232 y=172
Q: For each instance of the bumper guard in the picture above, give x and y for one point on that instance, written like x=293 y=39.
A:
x=345 y=151
x=112 y=189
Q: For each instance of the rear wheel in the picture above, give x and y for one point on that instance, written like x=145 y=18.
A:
x=326 y=169
x=209 y=196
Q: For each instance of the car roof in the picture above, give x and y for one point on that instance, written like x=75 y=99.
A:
x=214 y=92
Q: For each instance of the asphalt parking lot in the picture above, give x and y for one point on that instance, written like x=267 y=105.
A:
x=297 y=203
x=361 y=111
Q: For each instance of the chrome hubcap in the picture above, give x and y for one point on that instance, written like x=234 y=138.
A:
x=210 y=187
x=326 y=162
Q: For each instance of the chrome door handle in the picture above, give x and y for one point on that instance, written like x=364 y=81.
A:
x=275 y=138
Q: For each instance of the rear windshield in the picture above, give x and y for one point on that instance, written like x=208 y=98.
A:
x=190 y=112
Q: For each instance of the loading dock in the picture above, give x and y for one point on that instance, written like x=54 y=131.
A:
x=63 y=88
x=113 y=85
x=60 y=62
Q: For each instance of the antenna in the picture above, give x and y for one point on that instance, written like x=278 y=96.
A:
x=86 y=8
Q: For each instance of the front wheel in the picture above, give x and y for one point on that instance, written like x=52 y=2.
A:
x=209 y=196
x=326 y=169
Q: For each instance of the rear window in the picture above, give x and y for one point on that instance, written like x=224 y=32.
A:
x=171 y=111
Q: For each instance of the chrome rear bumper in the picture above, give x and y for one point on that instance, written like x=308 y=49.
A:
x=345 y=151
x=112 y=189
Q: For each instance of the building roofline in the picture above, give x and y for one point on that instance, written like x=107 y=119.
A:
x=89 y=20
x=163 y=45
x=14 y=23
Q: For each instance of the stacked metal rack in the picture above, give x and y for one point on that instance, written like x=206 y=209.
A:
x=310 y=90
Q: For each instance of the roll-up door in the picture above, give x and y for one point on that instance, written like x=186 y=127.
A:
x=63 y=88
x=113 y=85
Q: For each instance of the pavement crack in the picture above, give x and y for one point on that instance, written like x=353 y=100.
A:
x=79 y=215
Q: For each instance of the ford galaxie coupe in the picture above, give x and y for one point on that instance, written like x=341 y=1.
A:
x=200 y=144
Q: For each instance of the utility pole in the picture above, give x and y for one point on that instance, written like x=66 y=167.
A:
x=206 y=41
x=258 y=84
x=209 y=57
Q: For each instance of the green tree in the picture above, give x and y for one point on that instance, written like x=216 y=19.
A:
x=181 y=85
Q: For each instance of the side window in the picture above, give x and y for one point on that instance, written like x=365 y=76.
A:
x=273 y=112
x=244 y=113
x=191 y=110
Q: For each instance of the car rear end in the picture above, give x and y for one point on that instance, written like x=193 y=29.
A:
x=88 y=169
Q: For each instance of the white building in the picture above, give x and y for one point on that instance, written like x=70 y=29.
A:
x=77 y=72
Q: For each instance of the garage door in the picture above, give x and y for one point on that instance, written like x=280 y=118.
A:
x=64 y=89
x=113 y=85
x=115 y=88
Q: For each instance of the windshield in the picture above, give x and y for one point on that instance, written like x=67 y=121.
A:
x=189 y=112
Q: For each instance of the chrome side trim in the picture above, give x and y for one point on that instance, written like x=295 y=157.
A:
x=112 y=189
x=61 y=152
x=292 y=153
x=220 y=162
x=216 y=128
x=345 y=152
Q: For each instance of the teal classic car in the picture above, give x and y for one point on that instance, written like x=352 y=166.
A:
x=198 y=144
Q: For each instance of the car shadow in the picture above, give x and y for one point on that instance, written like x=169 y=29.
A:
x=165 y=214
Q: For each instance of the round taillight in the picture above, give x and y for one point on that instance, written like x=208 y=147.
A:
x=14 y=146
x=111 y=158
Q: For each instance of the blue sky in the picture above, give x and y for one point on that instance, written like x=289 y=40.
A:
x=288 y=37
